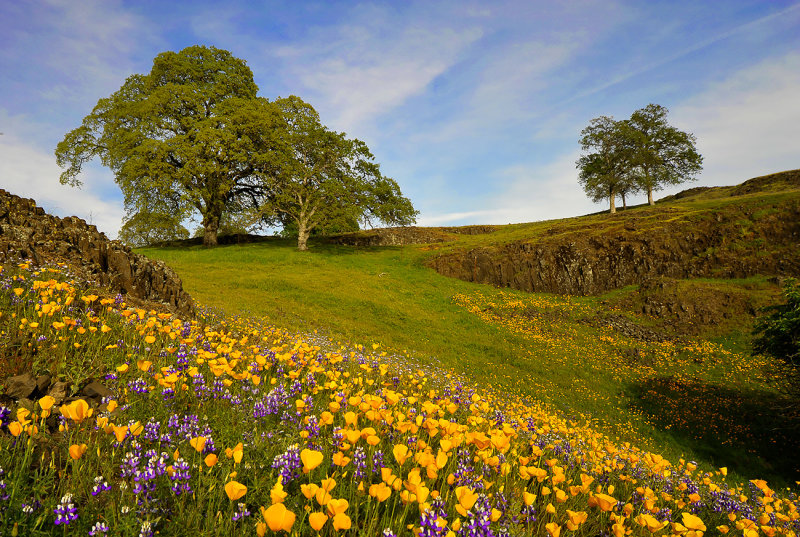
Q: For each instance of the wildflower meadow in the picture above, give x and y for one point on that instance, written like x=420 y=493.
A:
x=228 y=426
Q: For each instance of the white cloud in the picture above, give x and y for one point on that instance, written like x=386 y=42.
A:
x=747 y=124
x=31 y=172
x=546 y=192
x=359 y=71
x=533 y=193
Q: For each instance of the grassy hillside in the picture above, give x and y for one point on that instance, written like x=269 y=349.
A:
x=705 y=400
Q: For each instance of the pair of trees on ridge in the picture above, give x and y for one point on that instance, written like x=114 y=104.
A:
x=643 y=153
x=193 y=137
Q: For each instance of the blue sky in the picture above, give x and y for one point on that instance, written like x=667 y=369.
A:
x=475 y=108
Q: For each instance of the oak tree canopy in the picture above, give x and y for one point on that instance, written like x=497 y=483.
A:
x=193 y=137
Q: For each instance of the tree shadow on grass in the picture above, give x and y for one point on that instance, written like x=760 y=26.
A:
x=754 y=433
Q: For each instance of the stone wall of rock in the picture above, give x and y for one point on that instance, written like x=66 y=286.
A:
x=738 y=242
x=27 y=232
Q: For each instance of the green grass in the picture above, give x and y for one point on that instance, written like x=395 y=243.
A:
x=536 y=345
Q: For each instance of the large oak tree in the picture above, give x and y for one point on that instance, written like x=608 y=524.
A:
x=192 y=131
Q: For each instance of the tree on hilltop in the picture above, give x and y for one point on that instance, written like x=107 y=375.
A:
x=327 y=179
x=605 y=168
x=661 y=154
x=193 y=129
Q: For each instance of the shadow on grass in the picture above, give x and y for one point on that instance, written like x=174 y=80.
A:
x=754 y=433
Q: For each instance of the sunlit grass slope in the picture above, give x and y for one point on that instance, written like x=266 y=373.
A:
x=697 y=398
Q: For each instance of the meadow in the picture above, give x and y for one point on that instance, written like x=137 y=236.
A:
x=705 y=399
x=230 y=425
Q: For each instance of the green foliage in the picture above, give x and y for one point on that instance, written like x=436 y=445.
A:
x=661 y=154
x=328 y=180
x=333 y=227
x=643 y=153
x=144 y=229
x=604 y=170
x=778 y=333
x=533 y=345
x=191 y=131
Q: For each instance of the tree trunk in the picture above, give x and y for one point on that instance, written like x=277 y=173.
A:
x=613 y=203
x=210 y=228
x=624 y=204
x=302 y=235
x=650 y=196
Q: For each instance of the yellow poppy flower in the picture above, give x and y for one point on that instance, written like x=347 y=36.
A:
x=317 y=520
x=310 y=459
x=235 y=490
x=76 y=451
x=278 y=517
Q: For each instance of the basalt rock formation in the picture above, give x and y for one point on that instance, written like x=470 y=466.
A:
x=28 y=232
x=734 y=240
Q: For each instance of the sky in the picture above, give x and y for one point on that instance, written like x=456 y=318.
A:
x=474 y=108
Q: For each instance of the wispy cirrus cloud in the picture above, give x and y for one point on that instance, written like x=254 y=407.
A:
x=360 y=70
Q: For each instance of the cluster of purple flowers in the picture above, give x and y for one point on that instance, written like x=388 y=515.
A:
x=138 y=385
x=65 y=511
x=180 y=477
x=377 y=462
x=240 y=513
x=100 y=528
x=5 y=416
x=144 y=478
x=275 y=400
x=100 y=485
x=288 y=463
x=359 y=462
x=4 y=496
x=433 y=521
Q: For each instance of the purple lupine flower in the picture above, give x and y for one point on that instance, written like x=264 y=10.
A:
x=312 y=426
x=180 y=477
x=138 y=385
x=478 y=523
x=359 y=462
x=100 y=528
x=241 y=513
x=130 y=463
x=150 y=432
x=147 y=529
x=65 y=511
x=377 y=462
x=433 y=521
x=288 y=463
x=5 y=416
x=100 y=485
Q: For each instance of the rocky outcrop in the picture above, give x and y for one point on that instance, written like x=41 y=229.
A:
x=27 y=232
x=613 y=251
